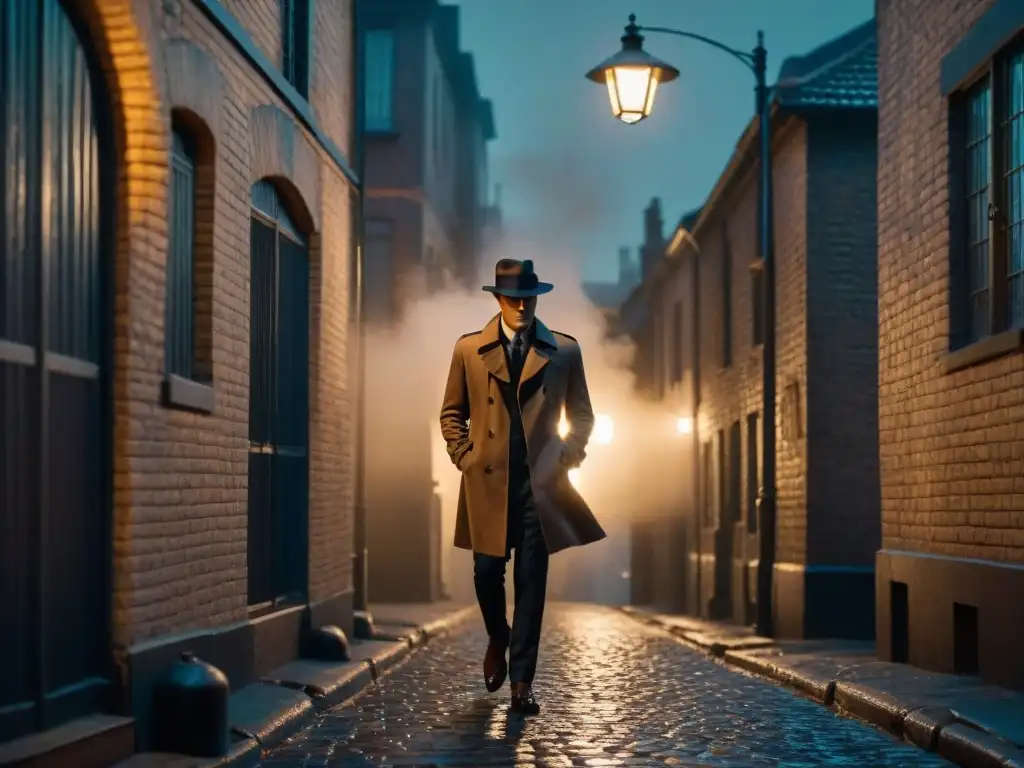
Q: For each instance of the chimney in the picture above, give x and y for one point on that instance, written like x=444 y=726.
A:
x=654 y=237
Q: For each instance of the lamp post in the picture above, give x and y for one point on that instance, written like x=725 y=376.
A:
x=632 y=76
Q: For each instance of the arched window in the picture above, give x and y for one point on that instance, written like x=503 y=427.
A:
x=278 y=402
x=188 y=314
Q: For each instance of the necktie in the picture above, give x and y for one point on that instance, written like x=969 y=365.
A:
x=518 y=353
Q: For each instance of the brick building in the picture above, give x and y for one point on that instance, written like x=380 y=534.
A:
x=427 y=217
x=951 y=309
x=176 y=471
x=697 y=319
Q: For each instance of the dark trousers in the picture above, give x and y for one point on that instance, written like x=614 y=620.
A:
x=530 y=577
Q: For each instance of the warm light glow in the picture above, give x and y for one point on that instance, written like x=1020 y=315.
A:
x=604 y=429
x=631 y=92
x=574 y=477
x=684 y=425
x=563 y=426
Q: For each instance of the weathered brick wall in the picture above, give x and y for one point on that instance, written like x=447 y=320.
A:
x=729 y=394
x=844 y=516
x=951 y=458
x=181 y=478
x=790 y=186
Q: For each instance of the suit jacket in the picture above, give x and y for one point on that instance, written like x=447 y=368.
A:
x=475 y=424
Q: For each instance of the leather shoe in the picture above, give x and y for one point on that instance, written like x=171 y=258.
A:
x=523 y=701
x=495 y=666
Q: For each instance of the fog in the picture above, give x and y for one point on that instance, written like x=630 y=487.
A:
x=635 y=474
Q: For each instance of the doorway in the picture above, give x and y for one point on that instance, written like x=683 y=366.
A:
x=56 y=228
x=278 y=543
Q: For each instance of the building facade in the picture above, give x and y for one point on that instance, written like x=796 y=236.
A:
x=702 y=334
x=427 y=220
x=177 y=461
x=951 y=309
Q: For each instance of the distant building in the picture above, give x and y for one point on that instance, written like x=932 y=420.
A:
x=699 y=329
x=428 y=219
x=608 y=296
x=951 y=322
x=427 y=129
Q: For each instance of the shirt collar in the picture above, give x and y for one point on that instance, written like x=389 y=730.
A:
x=510 y=335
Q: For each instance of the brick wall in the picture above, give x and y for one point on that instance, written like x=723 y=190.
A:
x=844 y=518
x=951 y=457
x=181 y=478
x=791 y=339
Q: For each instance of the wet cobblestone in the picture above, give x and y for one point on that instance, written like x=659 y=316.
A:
x=612 y=693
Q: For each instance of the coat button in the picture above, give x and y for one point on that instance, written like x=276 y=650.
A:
x=488 y=469
x=490 y=400
x=490 y=433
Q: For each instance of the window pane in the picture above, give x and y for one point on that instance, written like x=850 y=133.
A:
x=978 y=107
x=379 y=83
x=1013 y=186
x=178 y=318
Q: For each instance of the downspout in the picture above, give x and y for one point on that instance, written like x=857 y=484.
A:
x=360 y=598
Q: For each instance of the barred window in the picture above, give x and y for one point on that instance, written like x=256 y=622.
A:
x=990 y=159
x=179 y=321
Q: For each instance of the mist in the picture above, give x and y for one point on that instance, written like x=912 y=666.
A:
x=634 y=475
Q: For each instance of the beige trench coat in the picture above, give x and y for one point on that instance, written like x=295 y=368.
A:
x=475 y=425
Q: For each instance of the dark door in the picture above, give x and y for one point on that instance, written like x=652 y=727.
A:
x=54 y=510
x=278 y=404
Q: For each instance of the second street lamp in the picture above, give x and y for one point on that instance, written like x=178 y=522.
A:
x=632 y=76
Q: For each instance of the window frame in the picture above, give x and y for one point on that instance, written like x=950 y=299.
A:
x=1001 y=334
x=296 y=43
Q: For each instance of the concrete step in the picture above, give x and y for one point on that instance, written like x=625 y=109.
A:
x=95 y=741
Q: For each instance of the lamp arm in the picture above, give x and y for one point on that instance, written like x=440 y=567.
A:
x=747 y=58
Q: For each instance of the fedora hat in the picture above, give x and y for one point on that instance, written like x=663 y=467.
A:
x=516 y=279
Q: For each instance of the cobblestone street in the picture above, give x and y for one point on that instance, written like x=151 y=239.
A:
x=612 y=692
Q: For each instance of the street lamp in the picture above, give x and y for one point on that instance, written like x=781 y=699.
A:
x=632 y=76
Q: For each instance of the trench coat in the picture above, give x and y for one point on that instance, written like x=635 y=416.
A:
x=475 y=424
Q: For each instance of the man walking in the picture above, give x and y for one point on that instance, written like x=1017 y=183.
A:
x=507 y=389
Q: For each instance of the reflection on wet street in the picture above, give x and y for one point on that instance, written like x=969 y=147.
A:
x=612 y=693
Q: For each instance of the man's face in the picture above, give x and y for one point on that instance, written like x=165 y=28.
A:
x=517 y=313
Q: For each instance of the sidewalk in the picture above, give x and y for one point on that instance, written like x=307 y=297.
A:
x=267 y=712
x=967 y=722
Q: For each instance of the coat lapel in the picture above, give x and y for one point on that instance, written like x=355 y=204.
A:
x=540 y=352
x=491 y=353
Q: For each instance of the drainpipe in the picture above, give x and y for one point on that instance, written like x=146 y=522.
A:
x=360 y=585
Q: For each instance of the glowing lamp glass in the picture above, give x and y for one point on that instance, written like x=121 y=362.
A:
x=631 y=91
x=563 y=426
x=684 y=425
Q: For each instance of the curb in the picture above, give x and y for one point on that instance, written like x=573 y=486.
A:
x=303 y=700
x=933 y=728
x=364 y=674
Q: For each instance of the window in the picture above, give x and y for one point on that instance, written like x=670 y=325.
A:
x=757 y=303
x=726 y=300
x=378 y=97
x=677 y=341
x=188 y=299
x=295 y=43
x=990 y=154
x=179 y=320
x=378 y=249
